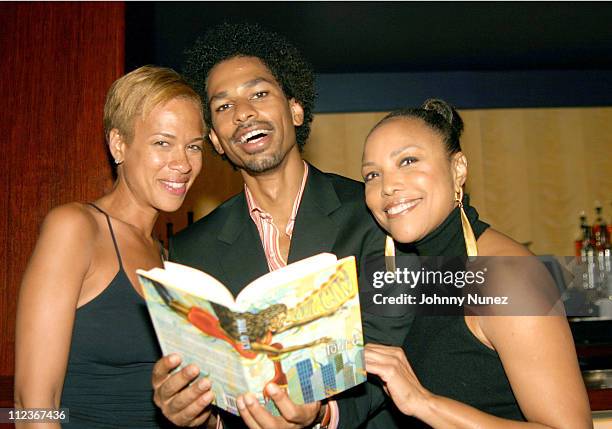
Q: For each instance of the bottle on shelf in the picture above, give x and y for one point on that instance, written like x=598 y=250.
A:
x=580 y=235
x=602 y=250
x=598 y=222
x=600 y=230
x=588 y=258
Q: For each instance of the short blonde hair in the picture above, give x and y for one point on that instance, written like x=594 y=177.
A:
x=139 y=92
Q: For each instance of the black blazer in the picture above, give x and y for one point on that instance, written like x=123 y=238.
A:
x=332 y=217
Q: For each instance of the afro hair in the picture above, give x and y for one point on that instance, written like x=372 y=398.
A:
x=292 y=72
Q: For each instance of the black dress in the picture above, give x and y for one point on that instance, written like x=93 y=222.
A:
x=112 y=353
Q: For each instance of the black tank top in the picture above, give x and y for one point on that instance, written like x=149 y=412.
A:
x=112 y=353
x=450 y=361
x=446 y=357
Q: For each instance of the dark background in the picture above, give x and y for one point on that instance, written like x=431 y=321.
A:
x=379 y=55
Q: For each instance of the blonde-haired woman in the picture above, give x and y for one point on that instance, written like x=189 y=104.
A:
x=84 y=339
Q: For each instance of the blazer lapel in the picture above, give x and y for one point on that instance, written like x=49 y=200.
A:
x=242 y=256
x=315 y=231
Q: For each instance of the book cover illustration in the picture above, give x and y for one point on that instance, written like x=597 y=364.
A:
x=299 y=327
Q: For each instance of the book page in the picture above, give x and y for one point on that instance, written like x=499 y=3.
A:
x=192 y=281
x=194 y=328
x=271 y=281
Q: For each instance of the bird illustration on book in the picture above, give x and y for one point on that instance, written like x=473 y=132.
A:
x=252 y=333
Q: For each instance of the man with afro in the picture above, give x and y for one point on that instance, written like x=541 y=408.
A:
x=258 y=94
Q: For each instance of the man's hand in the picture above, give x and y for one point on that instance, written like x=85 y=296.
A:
x=184 y=404
x=292 y=416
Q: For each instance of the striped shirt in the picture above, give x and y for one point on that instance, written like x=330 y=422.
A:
x=268 y=232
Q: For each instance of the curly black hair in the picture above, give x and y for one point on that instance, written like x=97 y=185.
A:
x=292 y=72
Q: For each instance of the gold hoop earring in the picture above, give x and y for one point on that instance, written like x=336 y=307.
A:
x=468 y=233
x=390 y=254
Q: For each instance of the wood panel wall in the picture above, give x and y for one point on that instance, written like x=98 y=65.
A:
x=58 y=60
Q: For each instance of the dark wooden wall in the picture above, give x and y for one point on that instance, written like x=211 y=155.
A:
x=58 y=60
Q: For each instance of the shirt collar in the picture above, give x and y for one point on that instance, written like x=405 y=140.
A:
x=257 y=213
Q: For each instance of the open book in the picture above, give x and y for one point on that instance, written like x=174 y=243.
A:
x=299 y=327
